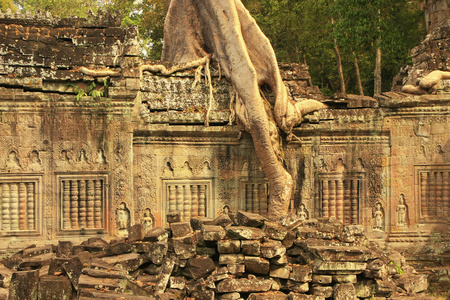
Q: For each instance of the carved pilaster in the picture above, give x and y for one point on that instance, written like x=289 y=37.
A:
x=172 y=201
x=332 y=198
x=194 y=201
x=14 y=208
x=179 y=198
x=354 y=199
x=6 y=216
x=339 y=200
x=22 y=206
x=74 y=204
x=30 y=205
x=325 y=199
x=187 y=203
x=98 y=204
x=90 y=204
x=82 y=203
x=66 y=204
x=202 y=201
x=424 y=194
x=445 y=193
x=255 y=198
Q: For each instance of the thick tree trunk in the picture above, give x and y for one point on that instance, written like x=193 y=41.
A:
x=358 y=76
x=377 y=75
x=339 y=64
x=225 y=29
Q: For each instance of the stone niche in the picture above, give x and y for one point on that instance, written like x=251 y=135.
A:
x=77 y=164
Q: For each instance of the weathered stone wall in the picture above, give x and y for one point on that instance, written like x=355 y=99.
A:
x=75 y=162
x=437 y=13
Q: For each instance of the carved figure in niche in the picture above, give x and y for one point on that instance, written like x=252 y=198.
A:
x=35 y=161
x=359 y=166
x=302 y=212
x=65 y=157
x=226 y=210
x=378 y=217
x=322 y=166
x=402 y=210
x=101 y=158
x=168 y=170
x=147 y=221
x=186 y=169
x=83 y=157
x=206 y=168
x=12 y=161
x=123 y=218
x=340 y=167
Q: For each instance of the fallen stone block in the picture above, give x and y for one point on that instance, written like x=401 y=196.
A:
x=244 y=233
x=223 y=220
x=322 y=291
x=251 y=247
x=88 y=282
x=384 y=288
x=279 y=261
x=184 y=247
x=5 y=276
x=54 y=288
x=73 y=270
x=180 y=229
x=280 y=271
x=173 y=217
x=297 y=296
x=164 y=274
x=244 y=285
x=64 y=249
x=91 y=294
x=344 y=291
x=129 y=262
x=197 y=222
x=95 y=244
x=228 y=246
x=236 y=269
x=275 y=231
x=136 y=233
x=413 y=283
x=272 y=295
x=249 y=219
x=142 y=247
x=322 y=279
x=119 y=248
x=157 y=252
x=297 y=287
x=344 y=278
x=200 y=267
x=301 y=273
x=271 y=249
x=105 y=273
x=230 y=296
x=227 y=259
x=24 y=285
x=4 y=293
x=256 y=265
x=156 y=234
x=178 y=282
x=56 y=266
x=213 y=232
x=29 y=252
x=337 y=267
x=364 y=288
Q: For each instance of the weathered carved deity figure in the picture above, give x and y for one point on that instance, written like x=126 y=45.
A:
x=402 y=210
x=223 y=30
x=378 y=216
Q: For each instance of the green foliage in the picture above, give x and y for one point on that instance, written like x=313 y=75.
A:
x=5 y=4
x=148 y=16
x=60 y=8
x=90 y=90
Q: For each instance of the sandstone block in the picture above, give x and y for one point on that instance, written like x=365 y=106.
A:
x=157 y=252
x=274 y=231
x=331 y=267
x=256 y=265
x=222 y=220
x=297 y=287
x=301 y=273
x=156 y=234
x=344 y=278
x=344 y=291
x=173 y=217
x=413 y=283
x=178 y=283
x=236 y=269
x=229 y=246
x=87 y=282
x=230 y=296
x=37 y=261
x=384 y=288
x=129 y=262
x=297 y=296
x=164 y=275
x=244 y=285
x=249 y=219
x=73 y=270
x=5 y=276
x=105 y=273
x=245 y=233
x=184 y=247
x=180 y=229
x=280 y=271
x=364 y=288
x=322 y=279
x=197 y=222
x=64 y=249
x=29 y=252
x=200 y=267
x=213 y=232
x=279 y=261
x=321 y=290
x=226 y=259
x=271 y=249
x=136 y=233
x=268 y=296
x=24 y=285
x=54 y=287
x=251 y=247
x=119 y=248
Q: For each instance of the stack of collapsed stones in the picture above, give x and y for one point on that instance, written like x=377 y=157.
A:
x=241 y=256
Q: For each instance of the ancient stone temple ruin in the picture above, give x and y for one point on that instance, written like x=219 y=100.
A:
x=90 y=144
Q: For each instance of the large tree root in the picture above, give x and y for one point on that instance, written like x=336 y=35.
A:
x=427 y=83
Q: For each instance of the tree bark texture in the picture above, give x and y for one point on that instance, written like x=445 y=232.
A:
x=225 y=29
x=377 y=75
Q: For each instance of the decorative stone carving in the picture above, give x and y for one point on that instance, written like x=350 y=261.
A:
x=302 y=212
x=123 y=219
x=378 y=217
x=402 y=211
x=148 y=221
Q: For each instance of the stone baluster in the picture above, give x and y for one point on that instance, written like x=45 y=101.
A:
x=6 y=214
x=445 y=193
x=74 y=204
x=439 y=204
x=14 y=206
x=82 y=203
x=194 y=201
x=332 y=198
x=187 y=202
x=202 y=200
x=347 y=203
x=354 y=198
x=340 y=200
x=172 y=202
x=263 y=199
x=248 y=197
x=431 y=195
x=22 y=206
x=325 y=199
x=30 y=206
x=179 y=198
x=98 y=204
x=255 y=199
x=66 y=204
x=424 y=194
x=90 y=203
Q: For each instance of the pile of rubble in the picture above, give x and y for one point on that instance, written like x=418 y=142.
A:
x=240 y=256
